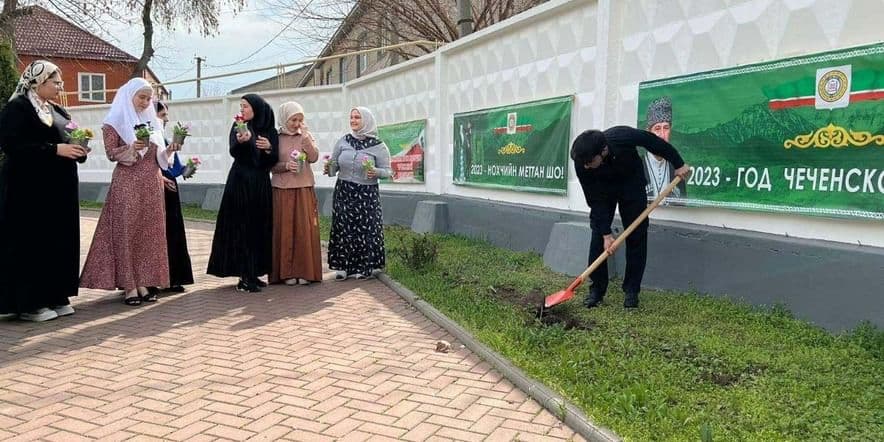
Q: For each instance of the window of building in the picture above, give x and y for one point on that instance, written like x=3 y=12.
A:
x=91 y=87
x=362 y=59
x=385 y=38
x=341 y=71
x=328 y=76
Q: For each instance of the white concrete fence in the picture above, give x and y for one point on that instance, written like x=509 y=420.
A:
x=598 y=51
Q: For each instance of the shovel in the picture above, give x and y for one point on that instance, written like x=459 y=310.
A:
x=564 y=295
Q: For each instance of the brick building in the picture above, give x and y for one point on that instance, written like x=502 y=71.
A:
x=91 y=67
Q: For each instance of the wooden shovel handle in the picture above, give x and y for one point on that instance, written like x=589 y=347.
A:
x=605 y=254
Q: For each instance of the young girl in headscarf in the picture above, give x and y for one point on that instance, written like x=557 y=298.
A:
x=356 y=243
x=296 y=250
x=129 y=247
x=40 y=221
x=243 y=240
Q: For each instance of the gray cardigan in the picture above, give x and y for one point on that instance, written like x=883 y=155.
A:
x=347 y=162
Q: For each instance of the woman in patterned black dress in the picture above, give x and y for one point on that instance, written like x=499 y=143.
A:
x=356 y=243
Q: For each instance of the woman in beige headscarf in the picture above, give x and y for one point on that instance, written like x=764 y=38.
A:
x=296 y=249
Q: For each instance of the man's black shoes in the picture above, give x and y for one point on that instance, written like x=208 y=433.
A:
x=593 y=299
x=631 y=300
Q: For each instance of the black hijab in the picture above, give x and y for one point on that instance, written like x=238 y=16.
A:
x=263 y=122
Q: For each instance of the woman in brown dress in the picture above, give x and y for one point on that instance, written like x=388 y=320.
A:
x=296 y=250
x=128 y=250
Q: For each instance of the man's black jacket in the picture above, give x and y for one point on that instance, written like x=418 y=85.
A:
x=621 y=175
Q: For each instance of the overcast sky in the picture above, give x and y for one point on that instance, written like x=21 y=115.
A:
x=238 y=37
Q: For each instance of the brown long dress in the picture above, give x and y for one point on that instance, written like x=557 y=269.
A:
x=296 y=249
x=129 y=246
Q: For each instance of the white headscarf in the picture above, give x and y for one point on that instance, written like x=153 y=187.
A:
x=123 y=118
x=286 y=110
x=369 y=127
x=34 y=75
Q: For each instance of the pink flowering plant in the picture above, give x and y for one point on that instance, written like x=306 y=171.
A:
x=240 y=123
x=298 y=156
x=79 y=135
x=190 y=167
x=180 y=132
x=367 y=164
x=327 y=162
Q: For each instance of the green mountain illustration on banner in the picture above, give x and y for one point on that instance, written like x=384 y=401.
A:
x=802 y=135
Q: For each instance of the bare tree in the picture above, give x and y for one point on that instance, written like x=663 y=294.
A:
x=385 y=22
x=201 y=15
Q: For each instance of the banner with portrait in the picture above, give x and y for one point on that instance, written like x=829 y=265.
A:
x=801 y=135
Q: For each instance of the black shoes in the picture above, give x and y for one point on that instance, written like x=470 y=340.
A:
x=247 y=287
x=593 y=299
x=631 y=300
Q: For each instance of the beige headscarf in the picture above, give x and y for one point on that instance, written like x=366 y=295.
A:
x=286 y=110
x=34 y=75
x=369 y=127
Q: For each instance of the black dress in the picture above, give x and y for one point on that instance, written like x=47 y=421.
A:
x=243 y=241
x=180 y=270
x=40 y=223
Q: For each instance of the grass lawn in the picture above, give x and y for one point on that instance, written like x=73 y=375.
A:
x=681 y=365
x=190 y=211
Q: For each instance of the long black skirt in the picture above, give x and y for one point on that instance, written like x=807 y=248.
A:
x=243 y=241
x=39 y=235
x=356 y=243
x=180 y=269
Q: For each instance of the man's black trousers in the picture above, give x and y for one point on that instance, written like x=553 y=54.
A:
x=636 y=248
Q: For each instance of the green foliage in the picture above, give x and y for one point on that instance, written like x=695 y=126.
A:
x=705 y=433
x=683 y=367
x=417 y=251
x=189 y=211
x=8 y=73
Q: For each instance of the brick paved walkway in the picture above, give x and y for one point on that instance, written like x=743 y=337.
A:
x=333 y=361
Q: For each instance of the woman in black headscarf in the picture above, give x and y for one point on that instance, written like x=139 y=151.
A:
x=243 y=240
x=40 y=223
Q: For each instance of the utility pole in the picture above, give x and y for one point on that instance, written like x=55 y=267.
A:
x=464 y=18
x=199 y=66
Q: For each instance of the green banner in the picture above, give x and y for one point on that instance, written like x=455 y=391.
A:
x=801 y=135
x=519 y=147
x=406 y=142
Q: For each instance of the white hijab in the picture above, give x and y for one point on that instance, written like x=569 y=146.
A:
x=369 y=127
x=123 y=118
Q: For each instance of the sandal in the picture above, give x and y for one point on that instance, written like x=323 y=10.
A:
x=132 y=300
x=150 y=297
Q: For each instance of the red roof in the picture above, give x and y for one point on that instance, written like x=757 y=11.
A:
x=44 y=34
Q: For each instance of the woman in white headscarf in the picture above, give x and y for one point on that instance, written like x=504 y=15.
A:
x=356 y=243
x=297 y=255
x=129 y=249
x=40 y=220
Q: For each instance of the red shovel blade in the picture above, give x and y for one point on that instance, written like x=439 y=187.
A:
x=557 y=298
x=562 y=296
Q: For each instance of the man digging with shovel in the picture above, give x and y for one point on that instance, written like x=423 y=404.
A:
x=612 y=175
